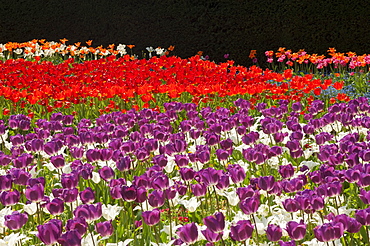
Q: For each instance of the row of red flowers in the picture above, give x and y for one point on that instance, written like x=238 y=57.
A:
x=70 y=82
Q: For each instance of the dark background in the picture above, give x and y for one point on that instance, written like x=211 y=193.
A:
x=215 y=27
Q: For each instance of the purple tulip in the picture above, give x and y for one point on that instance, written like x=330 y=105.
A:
x=188 y=233
x=57 y=161
x=250 y=205
x=266 y=183
x=297 y=106
x=106 y=173
x=347 y=222
x=181 y=160
x=141 y=181
x=274 y=232
x=250 y=138
x=67 y=119
x=23 y=160
x=212 y=139
x=363 y=216
x=105 y=229
x=138 y=223
x=160 y=181
x=93 y=155
x=124 y=164
x=76 y=152
x=365 y=155
x=141 y=194
x=142 y=154
x=16 y=220
x=70 y=238
x=4 y=159
x=187 y=174
x=106 y=154
x=128 y=193
x=364 y=180
x=85 y=171
x=69 y=180
x=237 y=173
x=78 y=224
x=296 y=230
x=89 y=212
x=17 y=139
x=199 y=189
x=215 y=223
x=286 y=171
x=160 y=160
x=317 y=203
x=203 y=156
x=222 y=154
x=50 y=232
x=224 y=182
x=56 y=206
x=9 y=198
x=289 y=243
x=53 y=147
x=210 y=176
x=226 y=144
x=69 y=195
x=35 y=193
x=330 y=189
x=87 y=195
x=353 y=226
x=156 y=198
x=329 y=231
x=241 y=231
x=364 y=196
x=151 y=217
x=211 y=236
x=245 y=192
x=19 y=176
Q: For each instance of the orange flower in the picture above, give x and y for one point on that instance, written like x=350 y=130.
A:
x=200 y=53
x=281 y=49
x=331 y=50
x=111 y=46
x=89 y=42
x=269 y=53
x=63 y=41
x=351 y=54
x=252 y=54
x=171 y=48
x=130 y=46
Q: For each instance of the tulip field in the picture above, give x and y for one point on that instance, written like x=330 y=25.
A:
x=100 y=146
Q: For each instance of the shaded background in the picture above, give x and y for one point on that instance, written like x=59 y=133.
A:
x=215 y=27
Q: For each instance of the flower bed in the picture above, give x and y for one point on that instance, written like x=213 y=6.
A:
x=169 y=151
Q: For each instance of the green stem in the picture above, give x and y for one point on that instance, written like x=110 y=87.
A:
x=255 y=226
x=218 y=204
x=156 y=233
x=170 y=217
x=92 y=236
